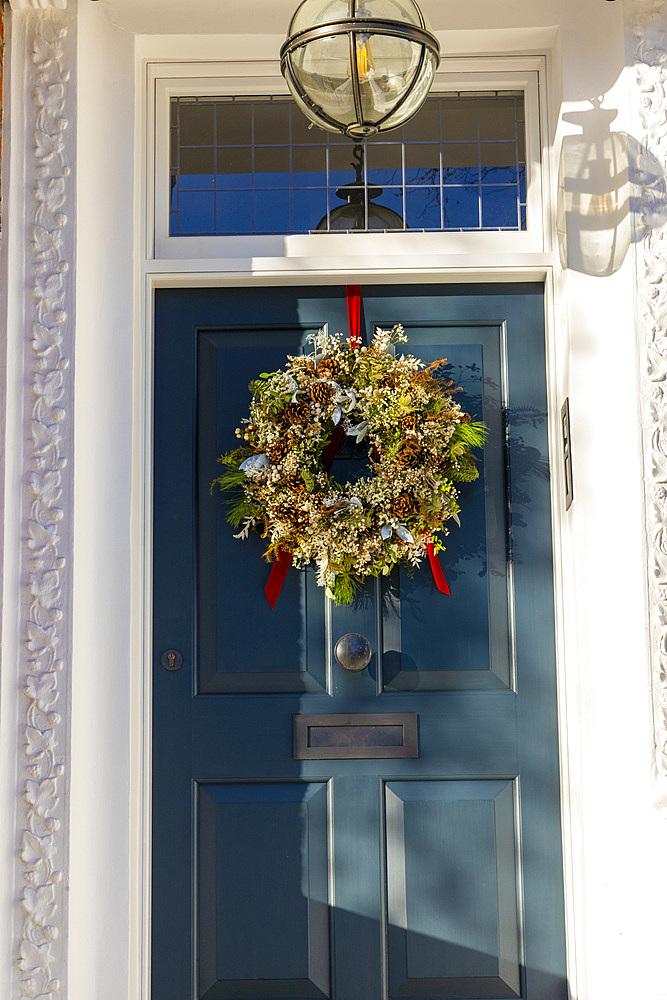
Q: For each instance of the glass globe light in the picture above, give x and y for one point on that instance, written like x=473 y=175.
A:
x=359 y=66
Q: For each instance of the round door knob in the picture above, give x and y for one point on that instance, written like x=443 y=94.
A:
x=353 y=651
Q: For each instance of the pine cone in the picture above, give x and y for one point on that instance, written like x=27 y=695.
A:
x=465 y=418
x=278 y=451
x=387 y=382
x=296 y=413
x=410 y=422
x=403 y=505
x=328 y=368
x=292 y=514
x=303 y=365
x=410 y=454
x=295 y=484
x=321 y=393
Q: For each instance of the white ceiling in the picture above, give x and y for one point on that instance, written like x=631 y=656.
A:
x=226 y=16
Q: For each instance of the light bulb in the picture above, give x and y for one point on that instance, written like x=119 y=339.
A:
x=365 y=64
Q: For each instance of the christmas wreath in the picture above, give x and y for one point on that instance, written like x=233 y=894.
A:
x=419 y=445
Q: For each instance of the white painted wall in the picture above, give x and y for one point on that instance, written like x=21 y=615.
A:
x=615 y=836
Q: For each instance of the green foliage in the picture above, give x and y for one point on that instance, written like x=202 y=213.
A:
x=232 y=478
x=344 y=590
x=463 y=470
x=473 y=434
x=232 y=481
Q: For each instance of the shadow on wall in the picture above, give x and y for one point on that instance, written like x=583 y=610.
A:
x=611 y=192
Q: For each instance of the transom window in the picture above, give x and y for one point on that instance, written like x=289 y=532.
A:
x=253 y=166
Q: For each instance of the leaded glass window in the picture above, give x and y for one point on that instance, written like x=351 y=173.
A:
x=241 y=166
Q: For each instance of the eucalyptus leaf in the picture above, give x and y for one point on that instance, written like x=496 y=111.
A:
x=403 y=533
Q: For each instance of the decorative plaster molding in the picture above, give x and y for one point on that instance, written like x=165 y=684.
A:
x=46 y=572
x=38 y=4
x=650 y=30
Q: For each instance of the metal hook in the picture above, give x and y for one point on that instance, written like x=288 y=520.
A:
x=358 y=162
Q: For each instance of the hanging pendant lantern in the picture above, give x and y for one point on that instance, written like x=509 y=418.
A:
x=359 y=66
x=360 y=213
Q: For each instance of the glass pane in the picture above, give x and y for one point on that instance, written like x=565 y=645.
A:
x=423 y=208
x=272 y=212
x=308 y=207
x=390 y=66
x=255 y=166
x=197 y=161
x=496 y=117
x=196 y=124
x=461 y=208
x=392 y=198
x=196 y=212
x=384 y=163
x=422 y=163
x=425 y=125
x=233 y=212
x=234 y=167
x=498 y=154
x=459 y=119
x=272 y=166
x=234 y=124
x=309 y=166
x=499 y=206
x=272 y=123
x=321 y=69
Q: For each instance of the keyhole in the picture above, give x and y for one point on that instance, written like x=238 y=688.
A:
x=171 y=659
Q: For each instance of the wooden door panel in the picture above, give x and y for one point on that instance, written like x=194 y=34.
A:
x=415 y=616
x=453 y=919
x=262 y=901
x=242 y=645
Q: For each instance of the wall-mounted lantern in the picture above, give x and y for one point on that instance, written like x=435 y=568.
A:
x=359 y=66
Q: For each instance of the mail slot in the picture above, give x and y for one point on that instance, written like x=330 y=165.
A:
x=349 y=737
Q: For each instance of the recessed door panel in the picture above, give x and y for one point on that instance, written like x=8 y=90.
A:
x=452 y=903
x=415 y=617
x=242 y=645
x=263 y=907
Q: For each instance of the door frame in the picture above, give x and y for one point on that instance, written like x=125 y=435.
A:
x=142 y=682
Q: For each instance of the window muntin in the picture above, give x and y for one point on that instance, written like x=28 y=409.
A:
x=252 y=166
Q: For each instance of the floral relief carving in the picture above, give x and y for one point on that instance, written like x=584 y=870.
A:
x=43 y=845
x=650 y=27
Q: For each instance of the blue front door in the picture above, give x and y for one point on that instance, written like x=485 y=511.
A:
x=436 y=875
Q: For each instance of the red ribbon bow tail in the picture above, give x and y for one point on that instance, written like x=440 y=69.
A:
x=274 y=584
x=436 y=569
x=329 y=453
x=353 y=296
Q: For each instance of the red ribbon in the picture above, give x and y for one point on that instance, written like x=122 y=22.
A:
x=329 y=453
x=274 y=584
x=353 y=296
x=436 y=569
x=283 y=560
